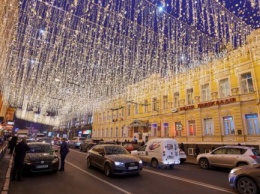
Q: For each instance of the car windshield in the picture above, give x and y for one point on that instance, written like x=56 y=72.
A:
x=115 y=150
x=40 y=148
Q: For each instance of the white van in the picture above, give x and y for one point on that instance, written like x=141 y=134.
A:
x=159 y=152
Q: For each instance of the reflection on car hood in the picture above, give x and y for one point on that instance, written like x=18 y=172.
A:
x=122 y=158
x=41 y=156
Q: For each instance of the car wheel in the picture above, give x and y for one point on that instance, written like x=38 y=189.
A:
x=204 y=163
x=88 y=163
x=154 y=163
x=107 y=170
x=246 y=185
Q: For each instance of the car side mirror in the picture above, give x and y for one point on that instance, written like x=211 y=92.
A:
x=102 y=153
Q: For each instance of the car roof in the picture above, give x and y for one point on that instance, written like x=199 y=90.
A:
x=235 y=146
x=38 y=143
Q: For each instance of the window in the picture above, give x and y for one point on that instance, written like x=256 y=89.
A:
x=166 y=129
x=208 y=127
x=190 y=96
x=128 y=109
x=136 y=108
x=165 y=102
x=154 y=105
x=192 y=128
x=116 y=135
x=104 y=116
x=145 y=106
x=205 y=93
x=224 y=89
x=111 y=132
x=178 y=128
x=229 y=128
x=106 y=132
x=246 y=83
x=122 y=112
x=252 y=124
x=176 y=99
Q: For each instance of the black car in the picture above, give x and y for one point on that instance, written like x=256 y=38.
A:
x=41 y=158
x=246 y=179
x=88 y=144
x=113 y=159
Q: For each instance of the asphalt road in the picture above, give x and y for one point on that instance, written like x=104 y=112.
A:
x=77 y=179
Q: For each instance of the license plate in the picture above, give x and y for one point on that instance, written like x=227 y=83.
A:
x=170 y=157
x=132 y=167
x=42 y=166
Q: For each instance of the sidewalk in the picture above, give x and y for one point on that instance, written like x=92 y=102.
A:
x=5 y=169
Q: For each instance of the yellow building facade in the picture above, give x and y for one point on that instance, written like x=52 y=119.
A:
x=213 y=104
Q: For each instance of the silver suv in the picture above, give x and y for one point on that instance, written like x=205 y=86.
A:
x=229 y=157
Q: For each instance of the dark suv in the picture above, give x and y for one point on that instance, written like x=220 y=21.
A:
x=88 y=144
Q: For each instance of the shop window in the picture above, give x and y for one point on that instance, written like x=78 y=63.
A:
x=229 y=128
x=192 y=128
x=208 y=127
x=178 y=128
x=246 y=83
x=166 y=129
x=252 y=124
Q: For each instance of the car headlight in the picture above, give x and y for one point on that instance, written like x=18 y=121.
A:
x=119 y=164
x=140 y=162
x=55 y=160
x=27 y=161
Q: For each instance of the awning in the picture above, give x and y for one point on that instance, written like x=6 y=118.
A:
x=139 y=123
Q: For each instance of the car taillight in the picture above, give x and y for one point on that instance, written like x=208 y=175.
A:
x=253 y=156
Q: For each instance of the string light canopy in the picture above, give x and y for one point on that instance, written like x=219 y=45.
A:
x=69 y=57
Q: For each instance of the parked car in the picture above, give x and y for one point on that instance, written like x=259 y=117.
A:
x=183 y=156
x=229 y=157
x=76 y=141
x=131 y=146
x=88 y=144
x=159 y=152
x=46 y=140
x=246 y=179
x=41 y=158
x=113 y=159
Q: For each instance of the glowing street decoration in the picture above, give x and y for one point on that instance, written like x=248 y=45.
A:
x=68 y=58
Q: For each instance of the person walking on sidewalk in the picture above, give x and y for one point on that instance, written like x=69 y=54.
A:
x=64 y=150
x=12 y=143
x=20 y=152
x=197 y=150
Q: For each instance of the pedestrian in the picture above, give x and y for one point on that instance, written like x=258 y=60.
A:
x=20 y=152
x=182 y=147
x=12 y=143
x=64 y=150
x=197 y=150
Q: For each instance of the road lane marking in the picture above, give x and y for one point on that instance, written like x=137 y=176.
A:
x=191 y=181
x=106 y=182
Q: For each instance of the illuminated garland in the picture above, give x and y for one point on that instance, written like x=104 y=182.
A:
x=68 y=57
